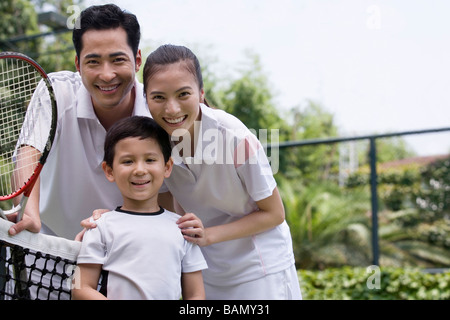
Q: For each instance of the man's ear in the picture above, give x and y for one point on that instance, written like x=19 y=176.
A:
x=77 y=63
x=109 y=173
x=168 y=169
x=138 y=60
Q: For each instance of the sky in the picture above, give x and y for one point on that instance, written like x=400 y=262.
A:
x=379 y=66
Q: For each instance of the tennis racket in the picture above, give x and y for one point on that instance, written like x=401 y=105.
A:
x=28 y=117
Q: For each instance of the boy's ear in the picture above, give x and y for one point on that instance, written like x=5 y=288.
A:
x=169 y=166
x=108 y=172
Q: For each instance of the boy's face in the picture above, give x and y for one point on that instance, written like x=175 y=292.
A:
x=107 y=67
x=138 y=170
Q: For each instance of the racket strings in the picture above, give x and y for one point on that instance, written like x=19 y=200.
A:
x=22 y=125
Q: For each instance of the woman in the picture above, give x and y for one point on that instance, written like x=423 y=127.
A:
x=223 y=185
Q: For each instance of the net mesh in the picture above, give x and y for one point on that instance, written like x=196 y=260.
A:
x=36 y=266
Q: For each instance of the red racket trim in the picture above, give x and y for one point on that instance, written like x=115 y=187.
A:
x=27 y=187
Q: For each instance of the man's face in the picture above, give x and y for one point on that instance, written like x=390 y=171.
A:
x=107 y=67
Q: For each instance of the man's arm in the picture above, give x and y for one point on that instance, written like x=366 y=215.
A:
x=31 y=220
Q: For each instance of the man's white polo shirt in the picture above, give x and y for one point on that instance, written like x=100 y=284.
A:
x=73 y=183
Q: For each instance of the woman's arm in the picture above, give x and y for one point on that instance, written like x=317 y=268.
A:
x=270 y=214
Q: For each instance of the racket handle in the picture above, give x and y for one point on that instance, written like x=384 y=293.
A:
x=3 y=215
x=21 y=207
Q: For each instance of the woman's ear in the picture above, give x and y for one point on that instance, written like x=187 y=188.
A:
x=109 y=173
x=202 y=96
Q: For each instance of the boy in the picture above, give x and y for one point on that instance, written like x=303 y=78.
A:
x=139 y=244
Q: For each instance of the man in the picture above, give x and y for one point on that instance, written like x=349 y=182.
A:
x=104 y=90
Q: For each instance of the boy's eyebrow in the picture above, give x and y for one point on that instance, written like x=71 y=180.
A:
x=149 y=153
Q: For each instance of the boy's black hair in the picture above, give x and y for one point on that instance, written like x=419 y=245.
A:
x=136 y=126
x=104 y=17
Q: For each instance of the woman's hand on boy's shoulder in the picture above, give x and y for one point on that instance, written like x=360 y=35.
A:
x=192 y=229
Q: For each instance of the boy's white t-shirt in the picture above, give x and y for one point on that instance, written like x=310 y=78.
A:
x=143 y=253
x=221 y=183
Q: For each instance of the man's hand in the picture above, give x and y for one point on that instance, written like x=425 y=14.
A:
x=29 y=223
x=89 y=223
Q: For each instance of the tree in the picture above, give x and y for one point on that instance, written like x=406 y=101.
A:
x=18 y=18
x=249 y=98
x=316 y=162
x=328 y=225
x=21 y=32
x=57 y=51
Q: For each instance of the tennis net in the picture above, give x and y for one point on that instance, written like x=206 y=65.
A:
x=35 y=266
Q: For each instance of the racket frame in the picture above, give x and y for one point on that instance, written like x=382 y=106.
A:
x=29 y=184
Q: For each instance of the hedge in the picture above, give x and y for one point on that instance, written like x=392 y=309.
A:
x=374 y=283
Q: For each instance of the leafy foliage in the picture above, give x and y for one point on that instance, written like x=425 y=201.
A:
x=19 y=20
x=362 y=284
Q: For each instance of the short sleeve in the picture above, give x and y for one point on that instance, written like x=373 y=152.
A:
x=253 y=168
x=93 y=248
x=193 y=260
x=36 y=126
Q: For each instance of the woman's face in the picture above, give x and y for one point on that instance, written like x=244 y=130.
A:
x=173 y=97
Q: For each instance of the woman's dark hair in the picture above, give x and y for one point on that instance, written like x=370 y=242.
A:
x=169 y=54
x=136 y=126
x=104 y=17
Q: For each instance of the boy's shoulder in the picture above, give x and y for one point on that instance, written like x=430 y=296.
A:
x=104 y=216
x=171 y=215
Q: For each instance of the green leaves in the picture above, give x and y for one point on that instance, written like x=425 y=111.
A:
x=356 y=284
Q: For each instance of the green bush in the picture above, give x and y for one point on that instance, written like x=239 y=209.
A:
x=374 y=283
